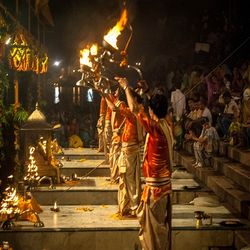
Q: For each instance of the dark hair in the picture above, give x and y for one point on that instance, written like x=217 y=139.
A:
x=159 y=104
x=227 y=94
x=177 y=85
x=137 y=97
x=228 y=77
x=203 y=101
x=204 y=120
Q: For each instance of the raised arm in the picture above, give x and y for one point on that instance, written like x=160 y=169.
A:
x=132 y=103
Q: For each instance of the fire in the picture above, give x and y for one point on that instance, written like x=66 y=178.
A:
x=86 y=53
x=84 y=57
x=111 y=37
x=94 y=50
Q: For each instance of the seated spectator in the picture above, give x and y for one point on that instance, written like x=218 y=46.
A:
x=193 y=119
x=237 y=82
x=190 y=116
x=231 y=112
x=227 y=79
x=73 y=127
x=206 y=145
x=205 y=110
x=75 y=141
x=246 y=115
x=212 y=89
x=234 y=132
x=196 y=125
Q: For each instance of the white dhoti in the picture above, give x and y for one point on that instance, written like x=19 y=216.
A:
x=114 y=154
x=155 y=220
x=129 y=190
x=107 y=134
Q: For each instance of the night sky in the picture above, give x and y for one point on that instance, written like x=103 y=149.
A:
x=160 y=27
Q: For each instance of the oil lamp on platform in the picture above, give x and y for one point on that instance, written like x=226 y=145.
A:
x=55 y=208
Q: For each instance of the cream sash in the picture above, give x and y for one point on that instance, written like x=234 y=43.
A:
x=168 y=133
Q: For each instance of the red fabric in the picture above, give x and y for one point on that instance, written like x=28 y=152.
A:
x=130 y=127
x=103 y=106
x=156 y=163
x=108 y=114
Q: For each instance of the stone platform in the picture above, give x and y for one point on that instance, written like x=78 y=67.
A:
x=87 y=206
x=79 y=153
x=95 y=228
x=83 y=167
x=98 y=191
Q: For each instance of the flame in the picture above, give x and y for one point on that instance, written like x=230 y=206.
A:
x=85 y=53
x=84 y=57
x=94 y=49
x=112 y=35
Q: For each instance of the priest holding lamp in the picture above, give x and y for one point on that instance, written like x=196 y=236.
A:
x=154 y=211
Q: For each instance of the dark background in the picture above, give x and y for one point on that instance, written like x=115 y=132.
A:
x=162 y=28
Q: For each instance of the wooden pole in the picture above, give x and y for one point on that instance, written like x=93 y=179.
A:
x=16 y=92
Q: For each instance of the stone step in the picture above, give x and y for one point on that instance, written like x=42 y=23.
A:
x=186 y=160
x=223 y=187
x=95 y=228
x=235 y=154
x=242 y=156
x=85 y=167
x=80 y=153
x=98 y=191
x=236 y=171
x=230 y=193
x=242 y=239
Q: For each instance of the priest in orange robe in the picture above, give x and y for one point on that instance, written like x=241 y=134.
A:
x=154 y=212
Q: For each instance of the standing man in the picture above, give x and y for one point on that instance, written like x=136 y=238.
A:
x=101 y=124
x=154 y=211
x=129 y=189
x=117 y=126
x=178 y=101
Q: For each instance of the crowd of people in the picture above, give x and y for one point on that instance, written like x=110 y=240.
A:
x=201 y=108
x=185 y=104
x=222 y=98
x=73 y=129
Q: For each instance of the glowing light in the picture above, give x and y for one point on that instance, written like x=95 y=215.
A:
x=84 y=57
x=112 y=35
x=9 y=204
x=57 y=63
x=94 y=50
x=32 y=174
x=23 y=57
x=8 y=40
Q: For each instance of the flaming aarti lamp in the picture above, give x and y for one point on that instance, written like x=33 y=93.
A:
x=110 y=42
x=88 y=66
x=95 y=62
